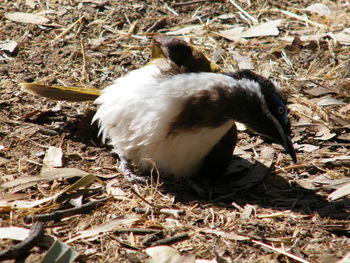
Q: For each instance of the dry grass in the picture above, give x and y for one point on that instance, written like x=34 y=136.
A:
x=93 y=42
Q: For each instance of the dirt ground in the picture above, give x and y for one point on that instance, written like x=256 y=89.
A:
x=91 y=42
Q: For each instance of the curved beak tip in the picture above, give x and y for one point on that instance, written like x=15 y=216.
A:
x=290 y=149
x=293 y=155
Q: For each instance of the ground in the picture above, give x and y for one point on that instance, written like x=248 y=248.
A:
x=90 y=43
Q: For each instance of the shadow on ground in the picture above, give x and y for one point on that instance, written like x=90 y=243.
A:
x=247 y=183
x=258 y=186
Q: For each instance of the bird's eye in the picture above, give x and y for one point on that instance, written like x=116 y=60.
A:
x=281 y=110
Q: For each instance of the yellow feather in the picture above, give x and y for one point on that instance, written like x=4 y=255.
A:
x=61 y=92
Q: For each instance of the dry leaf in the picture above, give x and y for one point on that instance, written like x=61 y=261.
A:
x=84 y=181
x=227 y=16
x=307 y=147
x=113 y=188
x=320 y=9
x=53 y=157
x=336 y=158
x=167 y=254
x=328 y=100
x=4 y=198
x=76 y=202
x=306 y=184
x=106 y=227
x=15 y=233
x=266 y=155
x=60 y=252
x=327 y=182
x=87 y=179
x=345 y=259
x=27 y=18
x=233 y=34
x=344 y=137
x=31 y=3
x=228 y=236
x=207 y=261
x=247 y=211
x=9 y=45
x=243 y=61
x=46 y=176
x=324 y=133
x=25 y=204
x=345 y=108
x=318 y=91
x=307 y=38
x=339 y=193
x=96 y=42
x=196 y=29
x=265 y=29
x=342 y=38
x=240 y=126
x=246 y=2
x=266 y=259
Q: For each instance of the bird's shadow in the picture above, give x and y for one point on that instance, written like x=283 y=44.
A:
x=257 y=185
x=248 y=183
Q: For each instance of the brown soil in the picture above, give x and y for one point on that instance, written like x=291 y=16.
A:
x=116 y=36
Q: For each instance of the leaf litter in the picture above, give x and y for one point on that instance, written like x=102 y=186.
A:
x=302 y=45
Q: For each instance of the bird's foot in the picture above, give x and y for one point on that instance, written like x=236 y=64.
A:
x=127 y=169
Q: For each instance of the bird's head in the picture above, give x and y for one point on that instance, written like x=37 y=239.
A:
x=181 y=54
x=267 y=113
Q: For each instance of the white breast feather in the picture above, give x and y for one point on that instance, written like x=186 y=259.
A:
x=135 y=113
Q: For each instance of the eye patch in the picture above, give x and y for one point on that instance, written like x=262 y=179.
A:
x=280 y=109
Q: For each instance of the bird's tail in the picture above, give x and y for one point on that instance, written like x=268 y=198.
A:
x=61 y=92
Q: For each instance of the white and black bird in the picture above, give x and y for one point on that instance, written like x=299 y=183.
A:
x=175 y=121
x=172 y=116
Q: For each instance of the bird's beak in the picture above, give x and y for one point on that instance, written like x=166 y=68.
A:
x=282 y=136
x=288 y=145
x=290 y=149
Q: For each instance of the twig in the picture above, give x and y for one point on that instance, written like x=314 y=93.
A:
x=167 y=211
x=57 y=215
x=150 y=239
x=277 y=214
x=171 y=240
x=132 y=28
x=336 y=163
x=305 y=19
x=195 y=2
x=137 y=230
x=294 y=166
x=139 y=196
x=281 y=251
x=174 y=212
x=85 y=72
x=171 y=10
x=244 y=12
x=67 y=30
x=35 y=235
x=156 y=25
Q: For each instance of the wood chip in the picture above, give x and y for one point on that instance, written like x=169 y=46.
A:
x=264 y=29
x=27 y=18
x=53 y=157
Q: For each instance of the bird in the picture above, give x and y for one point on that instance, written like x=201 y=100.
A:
x=174 y=121
x=177 y=114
